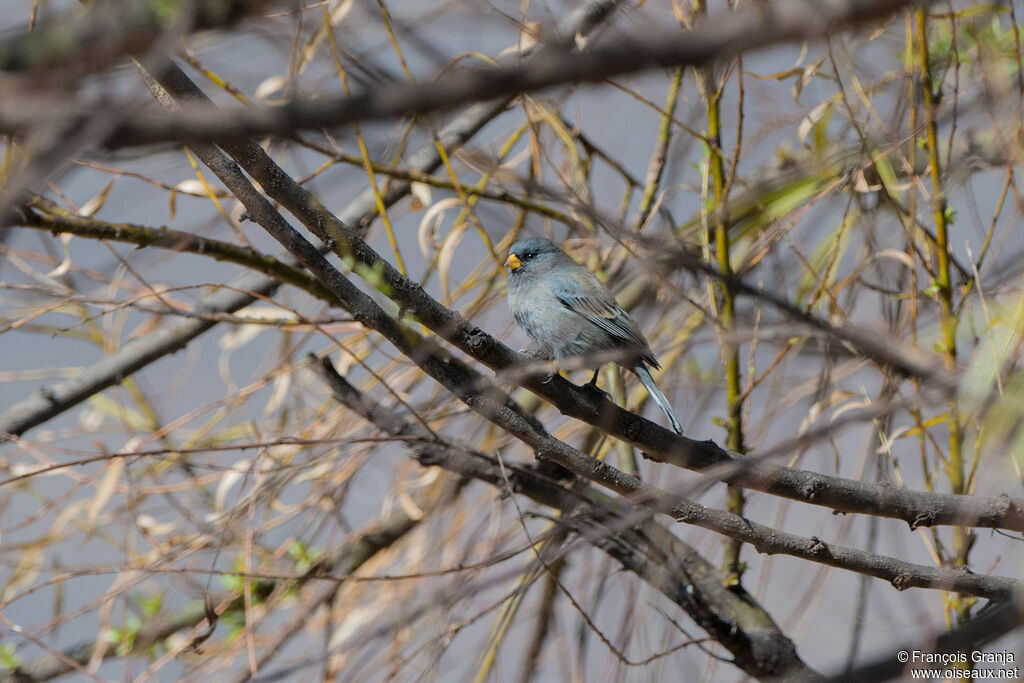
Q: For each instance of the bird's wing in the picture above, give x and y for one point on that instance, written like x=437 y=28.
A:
x=582 y=293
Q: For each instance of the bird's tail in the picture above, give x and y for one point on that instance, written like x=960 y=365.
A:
x=648 y=381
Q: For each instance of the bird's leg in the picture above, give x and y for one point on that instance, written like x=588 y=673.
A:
x=539 y=354
x=592 y=387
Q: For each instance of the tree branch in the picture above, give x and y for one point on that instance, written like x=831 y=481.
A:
x=652 y=552
x=846 y=495
x=43 y=214
x=345 y=559
x=137 y=353
x=757 y=25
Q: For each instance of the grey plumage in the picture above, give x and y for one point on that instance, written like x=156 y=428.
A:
x=570 y=313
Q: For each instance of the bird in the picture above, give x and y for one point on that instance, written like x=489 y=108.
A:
x=570 y=313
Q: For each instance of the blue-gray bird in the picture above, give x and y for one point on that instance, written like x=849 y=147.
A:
x=570 y=313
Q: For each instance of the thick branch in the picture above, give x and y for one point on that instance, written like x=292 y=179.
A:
x=756 y=26
x=731 y=616
x=44 y=215
x=172 y=336
x=87 y=39
x=915 y=508
x=492 y=404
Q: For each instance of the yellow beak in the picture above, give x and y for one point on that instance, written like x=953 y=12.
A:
x=513 y=262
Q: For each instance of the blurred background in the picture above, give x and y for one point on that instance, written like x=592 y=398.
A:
x=866 y=181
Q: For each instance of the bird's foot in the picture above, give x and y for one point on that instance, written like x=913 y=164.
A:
x=535 y=357
x=592 y=388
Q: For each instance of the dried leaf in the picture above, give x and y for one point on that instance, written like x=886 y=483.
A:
x=806 y=74
x=106 y=487
x=311 y=46
x=192 y=186
x=861 y=184
x=896 y=255
x=431 y=222
x=777 y=76
x=30 y=563
x=153 y=527
x=229 y=479
x=65 y=265
x=268 y=87
x=420 y=196
x=813 y=117
x=96 y=203
x=408 y=505
x=239 y=336
x=282 y=383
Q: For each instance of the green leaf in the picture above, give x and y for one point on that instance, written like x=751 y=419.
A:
x=303 y=555
x=9 y=658
x=151 y=604
x=949 y=215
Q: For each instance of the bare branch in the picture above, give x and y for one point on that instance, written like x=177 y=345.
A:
x=755 y=26
x=49 y=402
x=649 y=550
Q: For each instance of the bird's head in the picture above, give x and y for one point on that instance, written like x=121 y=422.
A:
x=533 y=255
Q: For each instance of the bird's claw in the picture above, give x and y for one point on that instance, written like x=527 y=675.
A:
x=592 y=388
